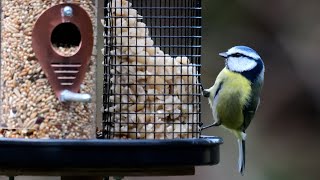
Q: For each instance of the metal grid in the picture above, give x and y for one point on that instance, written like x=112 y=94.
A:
x=152 y=69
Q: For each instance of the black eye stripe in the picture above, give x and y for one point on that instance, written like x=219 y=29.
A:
x=237 y=55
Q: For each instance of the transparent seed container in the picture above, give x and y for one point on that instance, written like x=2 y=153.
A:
x=48 y=69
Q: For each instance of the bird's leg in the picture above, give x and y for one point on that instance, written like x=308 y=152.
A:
x=201 y=86
x=211 y=125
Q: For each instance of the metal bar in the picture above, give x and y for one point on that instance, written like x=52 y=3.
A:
x=98 y=174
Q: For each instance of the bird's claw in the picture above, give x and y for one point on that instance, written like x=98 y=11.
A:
x=206 y=93
x=211 y=125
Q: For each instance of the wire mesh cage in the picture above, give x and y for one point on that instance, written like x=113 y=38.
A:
x=152 y=69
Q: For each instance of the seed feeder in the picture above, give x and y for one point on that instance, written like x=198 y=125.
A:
x=48 y=69
x=68 y=24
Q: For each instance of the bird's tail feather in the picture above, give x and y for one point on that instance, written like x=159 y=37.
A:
x=242 y=155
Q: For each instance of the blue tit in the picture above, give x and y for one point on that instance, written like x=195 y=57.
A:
x=235 y=95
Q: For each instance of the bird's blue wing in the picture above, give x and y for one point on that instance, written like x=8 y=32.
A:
x=248 y=113
x=251 y=107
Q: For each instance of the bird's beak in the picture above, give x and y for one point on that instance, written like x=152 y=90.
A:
x=223 y=54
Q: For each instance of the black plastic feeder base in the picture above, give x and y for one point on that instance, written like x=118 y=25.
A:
x=106 y=157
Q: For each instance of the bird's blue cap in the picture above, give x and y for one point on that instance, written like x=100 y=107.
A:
x=241 y=49
x=245 y=48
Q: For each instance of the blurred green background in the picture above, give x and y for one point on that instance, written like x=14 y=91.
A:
x=283 y=139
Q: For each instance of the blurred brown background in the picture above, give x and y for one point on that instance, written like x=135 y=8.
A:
x=283 y=139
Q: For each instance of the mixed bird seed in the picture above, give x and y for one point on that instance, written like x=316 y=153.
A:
x=29 y=107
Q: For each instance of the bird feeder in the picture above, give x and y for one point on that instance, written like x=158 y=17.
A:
x=151 y=122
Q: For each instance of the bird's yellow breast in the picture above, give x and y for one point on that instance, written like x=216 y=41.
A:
x=232 y=97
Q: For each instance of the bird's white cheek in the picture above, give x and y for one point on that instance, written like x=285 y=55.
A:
x=240 y=64
x=261 y=75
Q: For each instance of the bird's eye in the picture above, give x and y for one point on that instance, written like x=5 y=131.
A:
x=236 y=55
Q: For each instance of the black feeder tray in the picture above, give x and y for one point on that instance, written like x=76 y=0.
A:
x=107 y=157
